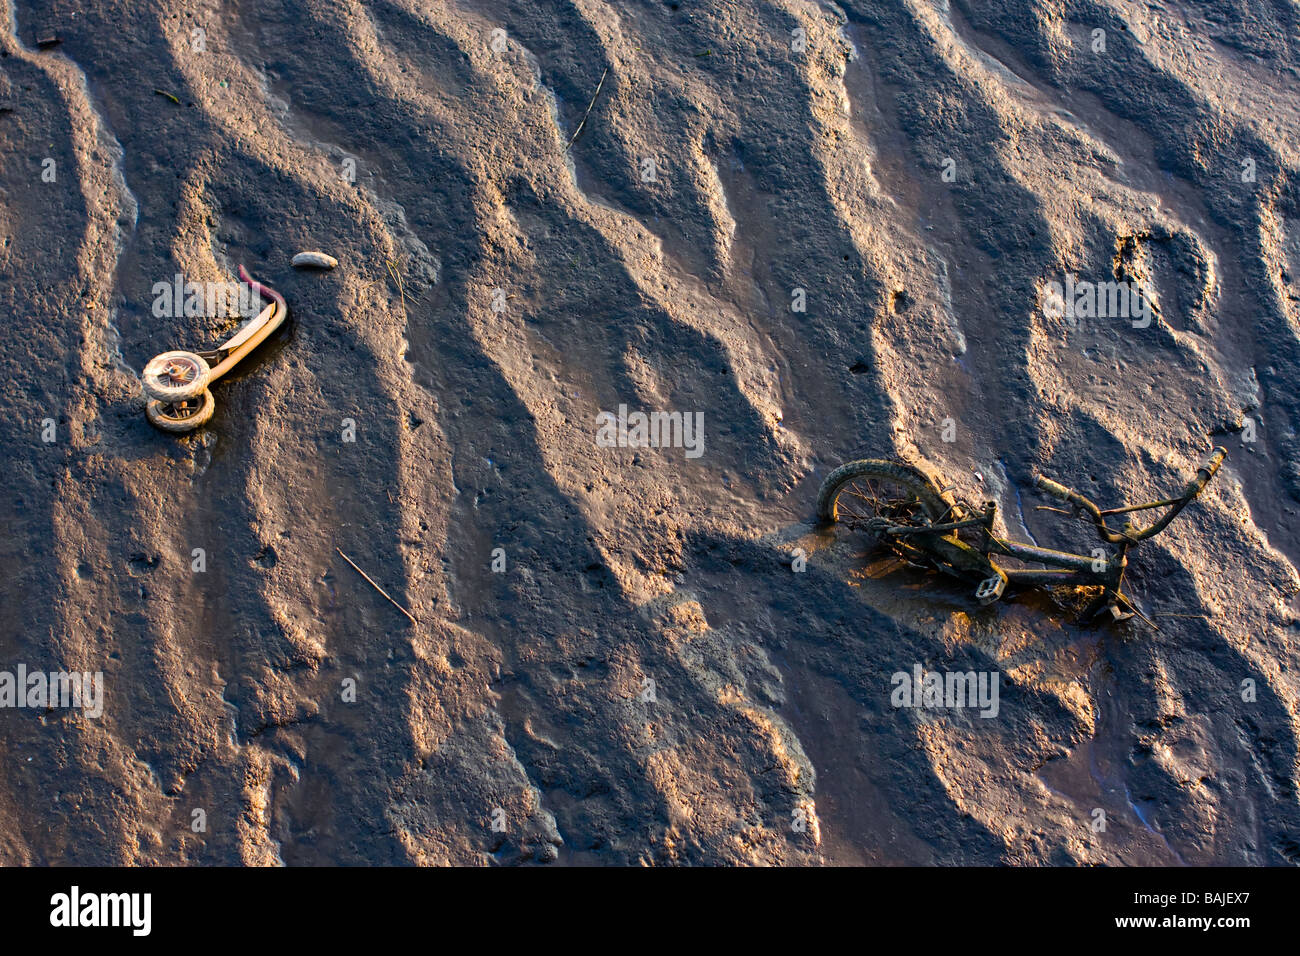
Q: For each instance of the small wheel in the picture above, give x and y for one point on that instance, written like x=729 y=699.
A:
x=873 y=494
x=175 y=376
x=181 y=416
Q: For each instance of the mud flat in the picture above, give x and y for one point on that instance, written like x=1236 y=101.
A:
x=825 y=229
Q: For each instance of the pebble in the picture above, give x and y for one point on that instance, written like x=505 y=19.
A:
x=314 y=260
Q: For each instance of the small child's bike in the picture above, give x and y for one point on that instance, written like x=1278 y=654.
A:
x=176 y=383
x=907 y=510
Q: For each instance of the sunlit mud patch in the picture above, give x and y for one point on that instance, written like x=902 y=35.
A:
x=831 y=250
x=1173 y=273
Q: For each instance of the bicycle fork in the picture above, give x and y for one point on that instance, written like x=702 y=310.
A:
x=1111 y=596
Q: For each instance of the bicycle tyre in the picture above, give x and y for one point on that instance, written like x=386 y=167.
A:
x=177 y=418
x=908 y=477
x=175 y=377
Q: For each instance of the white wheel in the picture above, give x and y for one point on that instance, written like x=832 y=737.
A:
x=181 y=416
x=175 y=376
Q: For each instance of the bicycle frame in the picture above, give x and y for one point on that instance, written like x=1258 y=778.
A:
x=227 y=355
x=942 y=545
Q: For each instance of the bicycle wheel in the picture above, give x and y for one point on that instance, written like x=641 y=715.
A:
x=175 y=376
x=181 y=416
x=858 y=492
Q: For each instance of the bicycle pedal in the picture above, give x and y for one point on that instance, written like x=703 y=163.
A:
x=990 y=589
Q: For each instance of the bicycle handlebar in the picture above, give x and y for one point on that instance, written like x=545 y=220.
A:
x=1060 y=492
x=1210 y=466
x=1194 y=487
x=1072 y=497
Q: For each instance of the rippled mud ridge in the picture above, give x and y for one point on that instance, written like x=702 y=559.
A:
x=619 y=284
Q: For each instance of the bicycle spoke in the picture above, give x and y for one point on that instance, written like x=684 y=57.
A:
x=869 y=497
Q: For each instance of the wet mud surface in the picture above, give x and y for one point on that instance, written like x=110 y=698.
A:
x=648 y=679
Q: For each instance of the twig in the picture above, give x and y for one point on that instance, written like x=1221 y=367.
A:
x=1134 y=608
x=169 y=96
x=583 y=122
x=377 y=587
x=401 y=290
x=1183 y=615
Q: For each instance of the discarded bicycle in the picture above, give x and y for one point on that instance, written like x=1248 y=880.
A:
x=176 y=383
x=907 y=510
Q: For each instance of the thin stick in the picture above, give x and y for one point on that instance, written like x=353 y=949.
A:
x=397 y=277
x=377 y=587
x=583 y=123
x=1134 y=608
